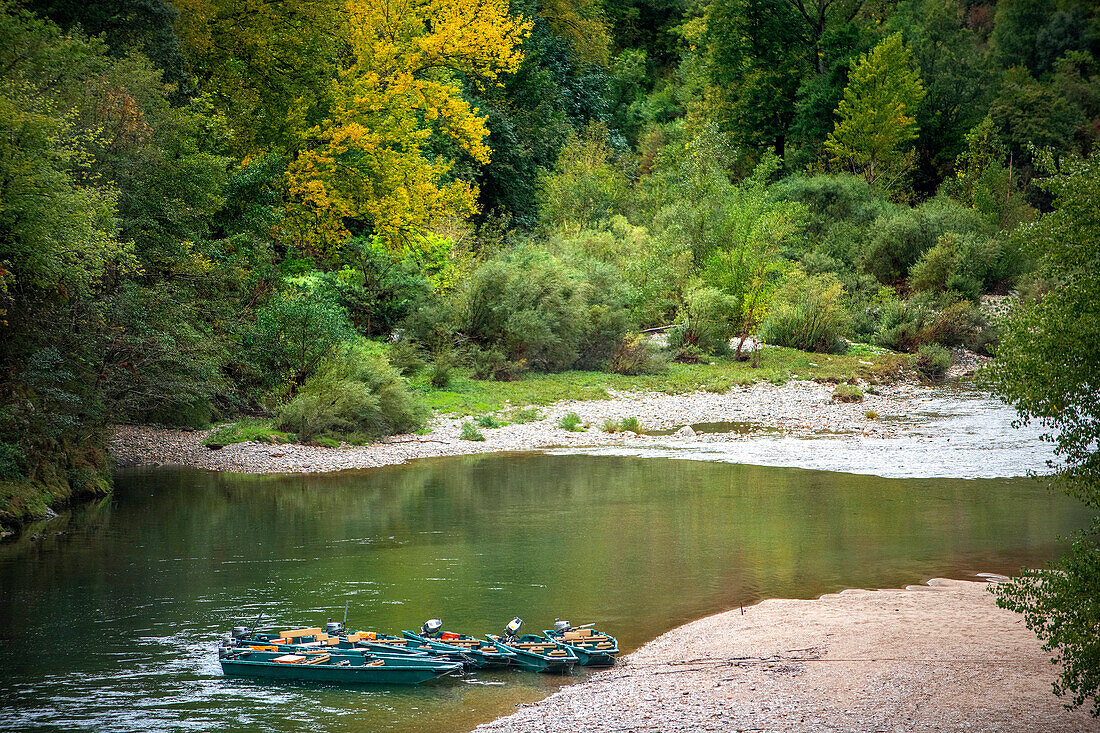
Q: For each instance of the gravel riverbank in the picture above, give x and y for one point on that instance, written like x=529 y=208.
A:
x=798 y=409
x=926 y=658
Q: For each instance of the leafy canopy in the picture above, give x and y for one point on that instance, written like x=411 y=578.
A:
x=370 y=166
x=876 y=121
x=1049 y=365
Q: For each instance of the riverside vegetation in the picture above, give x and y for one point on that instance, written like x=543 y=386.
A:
x=334 y=216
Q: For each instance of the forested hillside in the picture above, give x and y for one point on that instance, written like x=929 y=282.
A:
x=313 y=212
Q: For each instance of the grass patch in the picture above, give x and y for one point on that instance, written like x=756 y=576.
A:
x=610 y=426
x=871 y=415
x=631 y=424
x=521 y=415
x=847 y=393
x=571 y=422
x=246 y=430
x=467 y=397
x=489 y=421
x=470 y=432
x=326 y=442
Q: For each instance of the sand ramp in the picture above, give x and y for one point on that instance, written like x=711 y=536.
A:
x=935 y=657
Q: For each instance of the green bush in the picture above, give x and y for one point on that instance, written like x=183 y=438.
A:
x=898 y=239
x=489 y=421
x=966 y=264
x=355 y=396
x=296 y=329
x=571 y=422
x=847 y=393
x=708 y=320
x=540 y=314
x=493 y=364
x=638 y=355
x=631 y=424
x=932 y=361
x=406 y=357
x=470 y=432
x=808 y=314
x=521 y=415
x=439 y=373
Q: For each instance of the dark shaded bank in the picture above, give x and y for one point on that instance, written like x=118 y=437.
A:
x=77 y=472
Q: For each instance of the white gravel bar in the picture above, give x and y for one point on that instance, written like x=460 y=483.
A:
x=916 y=431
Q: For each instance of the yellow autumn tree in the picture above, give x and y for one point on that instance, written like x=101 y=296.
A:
x=369 y=163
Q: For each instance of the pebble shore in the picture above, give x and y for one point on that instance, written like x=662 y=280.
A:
x=797 y=408
x=926 y=658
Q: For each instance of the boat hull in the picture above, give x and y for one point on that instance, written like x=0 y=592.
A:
x=331 y=673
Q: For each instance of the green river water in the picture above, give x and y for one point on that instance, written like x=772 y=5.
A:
x=111 y=615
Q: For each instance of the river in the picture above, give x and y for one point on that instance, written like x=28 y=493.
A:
x=111 y=612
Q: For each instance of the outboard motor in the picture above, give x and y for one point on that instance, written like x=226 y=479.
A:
x=512 y=627
x=334 y=628
x=432 y=627
x=562 y=626
x=240 y=632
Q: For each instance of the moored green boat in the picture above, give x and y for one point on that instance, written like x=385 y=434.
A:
x=475 y=653
x=533 y=652
x=331 y=666
x=592 y=647
x=333 y=637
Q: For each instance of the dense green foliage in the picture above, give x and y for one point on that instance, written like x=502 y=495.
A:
x=207 y=206
x=1049 y=366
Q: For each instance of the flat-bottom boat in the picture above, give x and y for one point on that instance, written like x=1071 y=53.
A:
x=533 y=652
x=476 y=653
x=591 y=647
x=331 y=666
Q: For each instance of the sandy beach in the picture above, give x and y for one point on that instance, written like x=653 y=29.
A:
x=935 y=657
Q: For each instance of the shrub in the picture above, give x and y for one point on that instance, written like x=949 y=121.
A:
x=847 y=393
x=965 y=264
x=899 y=239
x=493 y=364
x=521 y=415
x=571 y=422
x=297 y=328
x=871 y=414
x=439 y=376
x=378 y=287
x=537 y=312
x=354 y=395
x=586 y=186
x=406 y=357
x=932 y=361
x=489 y=421
x=807 y=314
x=631 y=424
x=470 y=432
x=610 y=426
x=708 y=320
x=638 y=355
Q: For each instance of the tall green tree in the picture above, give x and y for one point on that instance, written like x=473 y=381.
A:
x=755 y=65
x=1048 y=365
x=876 y=125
